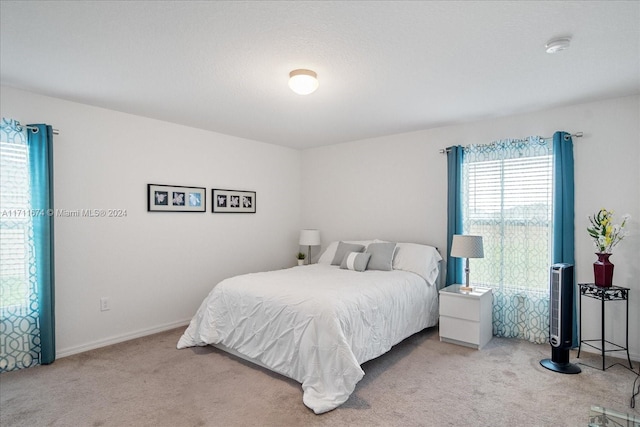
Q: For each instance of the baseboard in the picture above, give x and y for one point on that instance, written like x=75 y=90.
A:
x=120 y=338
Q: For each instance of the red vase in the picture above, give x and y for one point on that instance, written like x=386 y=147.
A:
x=603 y=270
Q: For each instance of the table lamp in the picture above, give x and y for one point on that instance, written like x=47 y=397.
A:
x=465 y=246
x=309 y=238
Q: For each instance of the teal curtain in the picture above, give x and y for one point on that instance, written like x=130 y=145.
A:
x=26 y=243
x=563 y=211
x=454 y=211
x=40 y=144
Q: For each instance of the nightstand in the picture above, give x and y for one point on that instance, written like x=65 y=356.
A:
x=466 y=318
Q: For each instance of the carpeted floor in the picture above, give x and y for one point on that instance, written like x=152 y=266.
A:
x=420 y=382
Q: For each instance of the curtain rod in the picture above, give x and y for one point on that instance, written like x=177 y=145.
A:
x=576 y=135
x=35 y=129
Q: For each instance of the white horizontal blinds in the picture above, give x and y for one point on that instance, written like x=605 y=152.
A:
x=507 y=198
x=506 y=188
x=15 y=220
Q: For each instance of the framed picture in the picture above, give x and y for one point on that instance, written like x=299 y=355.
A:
x=174 y=198
x=233 y=201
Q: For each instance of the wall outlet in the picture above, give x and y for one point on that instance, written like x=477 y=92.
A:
x=104 y=304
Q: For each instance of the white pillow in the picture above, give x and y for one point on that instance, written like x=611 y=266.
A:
x=420 y=259
x=329 y=253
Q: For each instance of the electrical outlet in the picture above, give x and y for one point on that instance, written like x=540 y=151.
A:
x=104 y=304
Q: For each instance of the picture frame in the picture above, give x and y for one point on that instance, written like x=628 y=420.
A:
x=232 y=201
x=176 y=198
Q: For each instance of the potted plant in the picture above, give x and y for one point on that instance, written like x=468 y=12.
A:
x=605 y=236
x=301 y=257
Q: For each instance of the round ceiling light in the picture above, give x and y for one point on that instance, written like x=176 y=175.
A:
x=556 y=45
x=303 y=82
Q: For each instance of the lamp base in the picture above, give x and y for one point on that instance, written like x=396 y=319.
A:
x=466 y=289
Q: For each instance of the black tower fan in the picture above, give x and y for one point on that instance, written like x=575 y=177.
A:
x=561 y=320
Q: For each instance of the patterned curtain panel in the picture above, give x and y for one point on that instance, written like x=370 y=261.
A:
x=19 y=339
x=507 y=199
x=26 y=279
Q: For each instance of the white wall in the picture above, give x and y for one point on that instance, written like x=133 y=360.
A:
x=155 y=267
x=394 y=188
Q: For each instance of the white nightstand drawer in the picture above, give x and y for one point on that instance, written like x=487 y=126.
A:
x=462 y=308
x=462 y=330
x=465 y=317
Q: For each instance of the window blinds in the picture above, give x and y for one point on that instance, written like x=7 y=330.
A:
x=509 y=202
x=15 y=221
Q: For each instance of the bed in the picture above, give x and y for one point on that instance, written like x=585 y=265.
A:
x=318 y=323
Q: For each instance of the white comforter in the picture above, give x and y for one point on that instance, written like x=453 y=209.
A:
x=315 y=324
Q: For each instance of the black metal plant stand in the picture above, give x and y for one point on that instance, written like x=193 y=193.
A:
x=605 y=294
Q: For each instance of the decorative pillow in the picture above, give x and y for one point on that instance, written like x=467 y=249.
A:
x=356 y=261
x=381 y=256
x=343 y=249
x=420 y=259
x=329 y=253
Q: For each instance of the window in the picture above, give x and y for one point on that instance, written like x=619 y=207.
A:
x=26 y=247
x=18 y=295
x=509 y=202
x=507 y=192
x=15 y=224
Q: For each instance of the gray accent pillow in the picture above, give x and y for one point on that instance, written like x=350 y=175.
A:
x=343 y=249
x=381 y=256
x=356 y=261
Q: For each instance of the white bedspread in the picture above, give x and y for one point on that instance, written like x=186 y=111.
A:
x=315 y=324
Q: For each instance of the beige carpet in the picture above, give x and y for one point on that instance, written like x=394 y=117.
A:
x=420 y=382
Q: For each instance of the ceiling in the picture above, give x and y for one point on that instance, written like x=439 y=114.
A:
x=384 y=67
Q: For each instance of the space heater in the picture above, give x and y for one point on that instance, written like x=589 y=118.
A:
x=561 y=319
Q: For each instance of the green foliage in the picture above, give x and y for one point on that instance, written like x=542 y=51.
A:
x=605 y=234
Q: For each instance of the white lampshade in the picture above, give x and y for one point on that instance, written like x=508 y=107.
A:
x=465 y=246
x=303 y=82
x=309 y=237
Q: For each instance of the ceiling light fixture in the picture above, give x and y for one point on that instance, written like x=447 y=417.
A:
x=556 y=45
x=303 y=82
